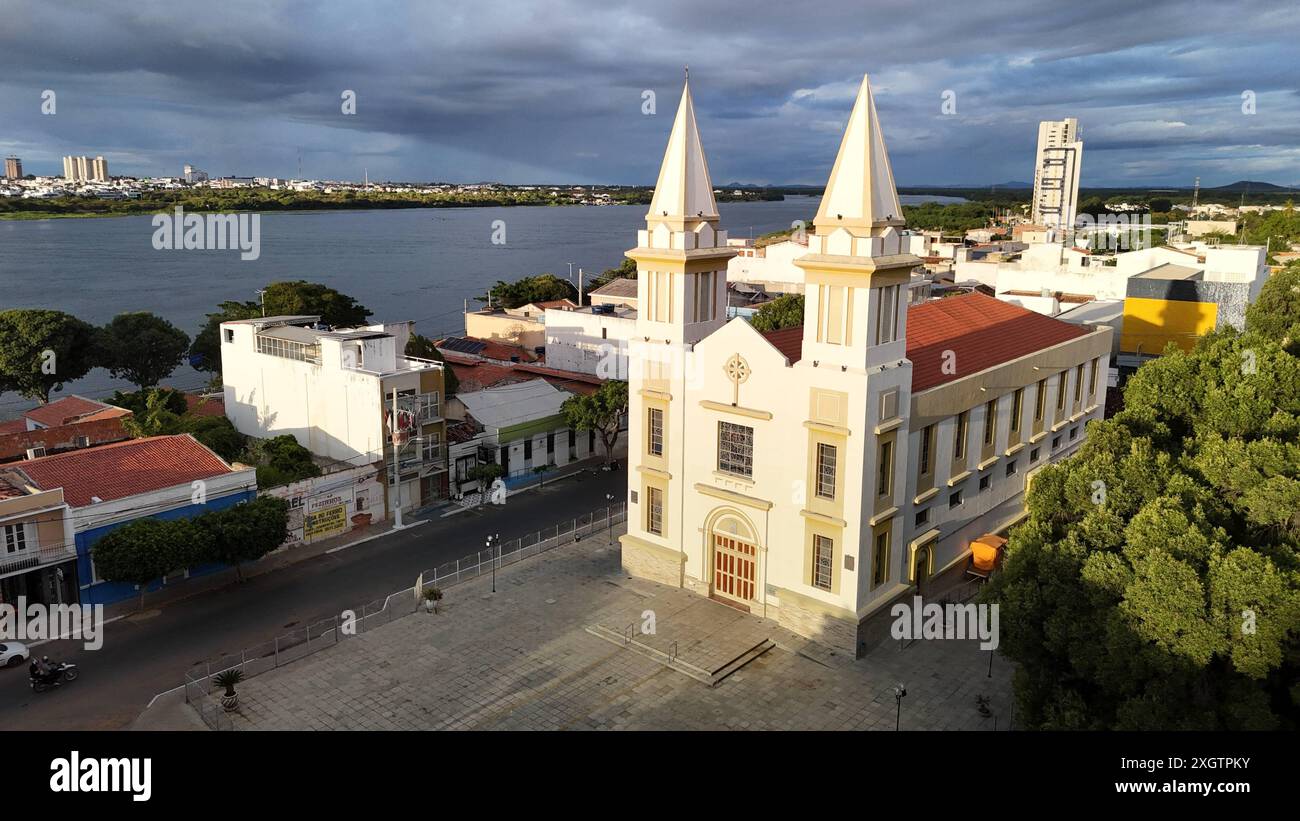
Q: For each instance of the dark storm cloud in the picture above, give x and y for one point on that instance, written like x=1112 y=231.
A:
x=529 y=92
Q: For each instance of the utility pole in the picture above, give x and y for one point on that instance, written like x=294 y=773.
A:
x=397 y=478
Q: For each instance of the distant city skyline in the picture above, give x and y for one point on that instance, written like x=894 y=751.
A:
x=1164 y=92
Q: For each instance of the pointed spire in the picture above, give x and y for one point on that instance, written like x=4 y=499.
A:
x=684 y=190
x=860 y=193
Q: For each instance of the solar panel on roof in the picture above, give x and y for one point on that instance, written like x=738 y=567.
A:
x=462 y=345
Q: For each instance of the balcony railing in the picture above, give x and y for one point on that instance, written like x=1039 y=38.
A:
x=36 y=557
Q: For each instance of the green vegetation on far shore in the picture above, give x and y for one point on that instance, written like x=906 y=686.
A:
x=264 y=199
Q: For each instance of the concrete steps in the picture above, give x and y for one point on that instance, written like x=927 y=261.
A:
x=710 y=677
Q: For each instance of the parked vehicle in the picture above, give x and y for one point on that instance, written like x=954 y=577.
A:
x=62 y=671
x=13 y=653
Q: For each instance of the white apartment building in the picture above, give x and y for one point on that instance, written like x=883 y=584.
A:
x=1056 y=174
x=816 y=475
x=82 y=169
x=342 y=393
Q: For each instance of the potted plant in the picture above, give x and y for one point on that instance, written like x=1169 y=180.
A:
x=432 y=595
x=228 y=679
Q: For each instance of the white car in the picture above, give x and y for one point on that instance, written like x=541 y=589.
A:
x=13 y=654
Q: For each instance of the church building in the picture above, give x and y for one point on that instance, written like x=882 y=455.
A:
x=816 y=475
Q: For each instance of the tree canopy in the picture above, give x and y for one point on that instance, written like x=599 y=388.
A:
x=281 y=460
x=1156 y=581
x=422 y=347
x=785 y=311
x=298 y=298
x=42 y=350
x=602 y=411
x=246 y=532
x=142 y=348
x=539 y=288
x=624 y=270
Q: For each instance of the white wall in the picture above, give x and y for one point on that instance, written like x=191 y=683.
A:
x=588 y=342
x=332 y=411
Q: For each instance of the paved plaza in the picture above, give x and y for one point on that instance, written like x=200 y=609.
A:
x=549 y=651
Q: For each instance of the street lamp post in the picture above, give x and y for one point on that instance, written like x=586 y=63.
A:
x=491 y=540
x=609 y=517
x=899 y=692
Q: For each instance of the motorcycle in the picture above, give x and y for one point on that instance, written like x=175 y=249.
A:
x=63 y=671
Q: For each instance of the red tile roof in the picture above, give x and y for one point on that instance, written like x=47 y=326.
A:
x=124 y=468
x=62 y=411
x=13 y=426
x=199 y=405
x=980 y=331
x=789 y=341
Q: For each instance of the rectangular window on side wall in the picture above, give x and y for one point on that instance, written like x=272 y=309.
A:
x=655 y=432
x=654 y=512
x=826 y=458
x=1040 y=404
x=880 y=562
x=927 y=445
x=823 y=561
x=885 y=476
x=1017 y=408
x=959 y=443
x=990 y=420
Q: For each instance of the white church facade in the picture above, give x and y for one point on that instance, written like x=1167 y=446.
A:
x=816 y=475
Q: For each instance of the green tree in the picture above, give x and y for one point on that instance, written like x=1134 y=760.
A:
x=1156 y=581
x=42 y=350
x=216 y=433
x=1276 y=311
x=138 y=401
x=421 y=347
x=296 y=298
x=147 y=549
x=142 y=348
x=245 y=532
x=539 y=288
x=624 y=270
x=785 y=311
x=282 y=460
x=485 y=474
x=602 y=411
x=156 y=419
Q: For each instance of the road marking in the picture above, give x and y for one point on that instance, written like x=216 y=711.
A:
x=388 y=532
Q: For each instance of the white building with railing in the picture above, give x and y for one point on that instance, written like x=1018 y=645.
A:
x=38 y=552
x=343 y=394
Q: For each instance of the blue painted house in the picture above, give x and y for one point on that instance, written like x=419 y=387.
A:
x=161 y=477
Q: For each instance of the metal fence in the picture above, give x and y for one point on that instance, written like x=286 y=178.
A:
x=310 y=638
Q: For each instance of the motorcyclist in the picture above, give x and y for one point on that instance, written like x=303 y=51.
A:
x=45 y=669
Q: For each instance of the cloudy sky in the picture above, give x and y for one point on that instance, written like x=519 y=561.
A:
x=553 y=91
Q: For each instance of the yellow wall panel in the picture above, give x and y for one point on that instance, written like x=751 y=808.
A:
x=1149 y=324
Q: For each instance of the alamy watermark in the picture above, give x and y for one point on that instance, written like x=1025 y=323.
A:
x=208 y=232
x=35 y=622
x=919 y=620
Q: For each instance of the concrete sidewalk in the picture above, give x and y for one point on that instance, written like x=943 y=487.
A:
x=525 y=658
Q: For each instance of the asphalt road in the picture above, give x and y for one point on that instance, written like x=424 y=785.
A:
x=148 y=653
